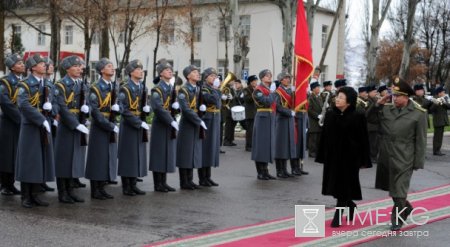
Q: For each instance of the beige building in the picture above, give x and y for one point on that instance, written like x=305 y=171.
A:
x=261 y=21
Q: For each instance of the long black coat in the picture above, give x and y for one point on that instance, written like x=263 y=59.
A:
x=211 y=143
x=343 y=149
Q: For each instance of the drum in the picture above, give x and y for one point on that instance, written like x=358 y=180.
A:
x=238 y=113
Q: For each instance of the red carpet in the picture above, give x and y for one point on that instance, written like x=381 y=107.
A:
x=280 y=232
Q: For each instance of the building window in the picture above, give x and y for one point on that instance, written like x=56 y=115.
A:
x=94 y=76
x=323 y=74
x=223 y=30
x=168 y=34
x=95 y=38
x=17 y=30
x=41 y=37
x=197 y=29
x=197 y=63
x=221 y=68
x=121 y=37
x=68 y=35
x=324 y=35
x=244 y=24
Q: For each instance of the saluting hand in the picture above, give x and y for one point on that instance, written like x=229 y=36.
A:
x=383 y=100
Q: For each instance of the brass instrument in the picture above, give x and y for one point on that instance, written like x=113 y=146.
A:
x=361 y=102
x=230 y=77
x=324 y=109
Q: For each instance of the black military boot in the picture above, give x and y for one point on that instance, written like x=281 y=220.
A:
x=260 y=171
x=284 y=168
x=63 y=196
x=202 y=177
x=70 y=190
x=95 y=192
x=134 y=188
x=77 y=183
x=266 y=171
x=157 y=181
x=101 y=189
x=184 y=184
x=337 y=218
x=164 y=182
x=208 y=177
x=278 y=165
x=7 y=187
x=295 y=167
x=27 y=202
x=408 y=210
x=351 y=210
x=397 y=213
x=126 y=187
x=190 y=173
x=35 y=198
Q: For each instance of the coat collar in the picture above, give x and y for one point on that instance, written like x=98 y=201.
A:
x=408 y=108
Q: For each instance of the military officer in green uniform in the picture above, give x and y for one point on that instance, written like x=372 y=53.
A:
x=403 y=128
x=314 y=116
x=440 y=118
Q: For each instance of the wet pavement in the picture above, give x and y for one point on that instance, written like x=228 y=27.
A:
x=240 y=199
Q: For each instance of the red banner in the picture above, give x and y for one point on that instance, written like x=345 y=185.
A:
x=303 y=59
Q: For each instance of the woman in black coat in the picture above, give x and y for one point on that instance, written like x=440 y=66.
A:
x=343 y=149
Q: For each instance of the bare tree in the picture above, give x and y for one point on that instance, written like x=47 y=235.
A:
x=160 y=13
x=288 y=10
x=311 y=9
x=372 y=42
x=224 y=22
x=408 y=38
x=333 y=25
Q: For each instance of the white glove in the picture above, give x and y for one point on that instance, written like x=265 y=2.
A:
x=144 y=125
x=202 y=108
x=293 y=88
x=230 y=97
x=429 y=97
x=82 y=129
x=116 y=129
x=242 y=95
x=55 y=123
x=87 y=123
x=203 y=125
x=273 y=87
x=47 y=106
x=320 y=117
x=176 y=105
x=46 y=126
x=85 y=109
x=174 y=124
x=115 y=108
x=224 y=97
x=293 y=113
x=146 y=109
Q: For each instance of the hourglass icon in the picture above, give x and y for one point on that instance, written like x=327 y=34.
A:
x=310 y=214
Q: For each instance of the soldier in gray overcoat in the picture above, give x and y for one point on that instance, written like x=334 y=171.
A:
x=132 y=149
x=9 y=123
x=189 y=143
x=285 y=148
x=403 y=127
x=163 y=140
x=101 y=165
x=34 y=163
x=314 y=116
x=70 y=155
x=264 y=126
x=211 y=143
